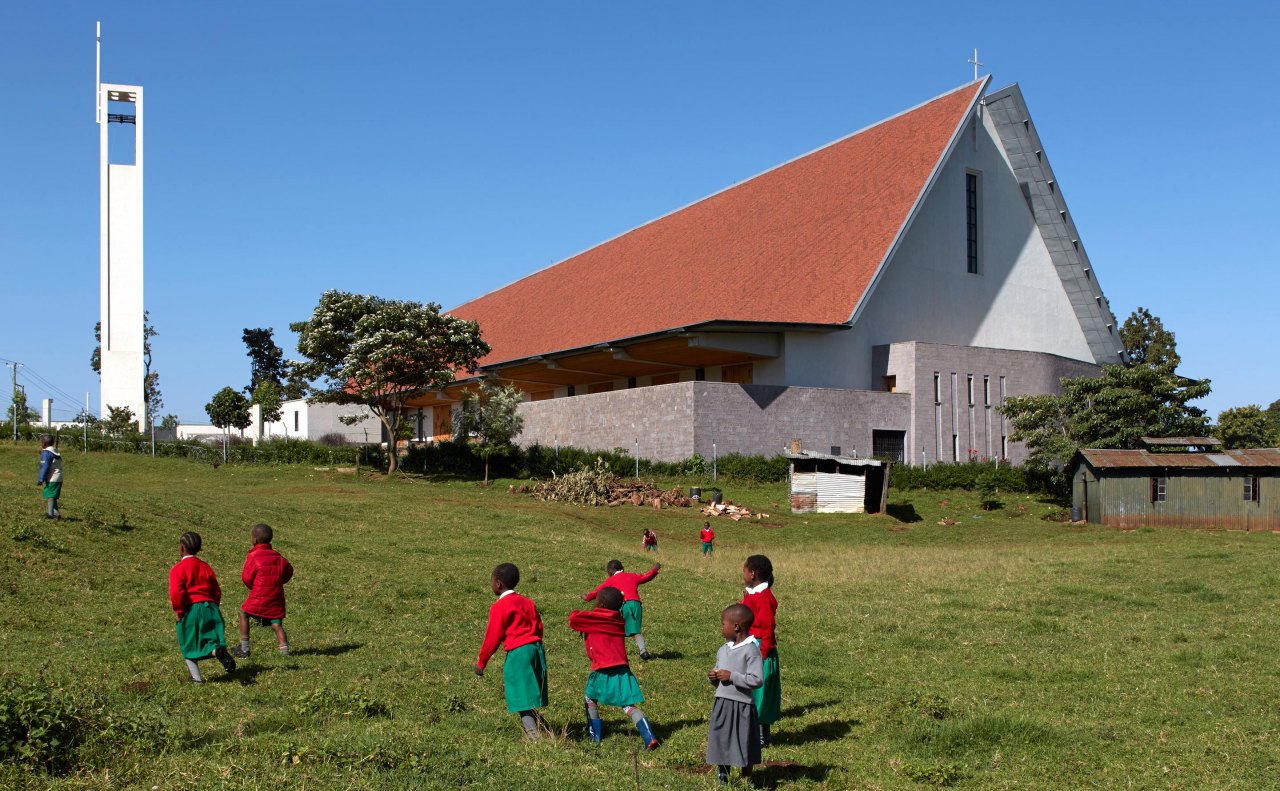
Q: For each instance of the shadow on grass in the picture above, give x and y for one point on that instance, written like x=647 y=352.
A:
x=903 y=512
x=666 y=655
x=329 y=650
x=773 y=773
x=816 y=732
x=665 y=730
x=805 y=708
x=244 y=675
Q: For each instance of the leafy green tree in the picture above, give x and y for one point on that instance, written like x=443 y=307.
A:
x=267 y=396
x=120 y=421
x=26 y=415
x=383 y=353
x=151 y=395
x=1245 y=427
x=1273 y=419
x=228 y=409
x=266 y=359
x=169 y=422
x=1146 y=397
x=489 y=420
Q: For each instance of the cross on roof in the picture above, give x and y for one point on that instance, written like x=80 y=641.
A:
x=976 y=63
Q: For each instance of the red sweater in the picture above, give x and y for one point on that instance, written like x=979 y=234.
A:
x=602 y=632
x=265 y=572
x=191 y=580
x=626 y=581
x=513 y=622
x=708 y=535
x=763 y=606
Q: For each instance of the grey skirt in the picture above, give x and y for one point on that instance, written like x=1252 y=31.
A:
x=734 y=739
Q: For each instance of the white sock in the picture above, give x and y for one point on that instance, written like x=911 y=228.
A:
x=640 y=643
x=194 y=669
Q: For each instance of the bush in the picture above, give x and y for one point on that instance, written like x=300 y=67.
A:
x=39 y=725
x=972 y=476
x=333 y=440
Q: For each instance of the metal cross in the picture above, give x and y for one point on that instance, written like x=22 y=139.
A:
x=975 y=63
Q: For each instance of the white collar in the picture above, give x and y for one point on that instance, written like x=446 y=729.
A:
x=734 y=646
x=185 y=557
x=762 y=586
x=619 y=571
x=506 y=592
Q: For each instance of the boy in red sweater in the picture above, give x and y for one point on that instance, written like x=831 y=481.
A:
x=708 y=537
x=265 y=573
x=514 y=623
x=195 y=596
x=611 y=681
x=632 y=610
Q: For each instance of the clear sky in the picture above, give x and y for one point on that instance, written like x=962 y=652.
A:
x=437 y=151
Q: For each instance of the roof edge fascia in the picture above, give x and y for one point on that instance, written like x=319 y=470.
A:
x=924 y=191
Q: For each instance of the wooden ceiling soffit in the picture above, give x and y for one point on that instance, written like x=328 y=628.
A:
x=549 y=373
x=694 y=350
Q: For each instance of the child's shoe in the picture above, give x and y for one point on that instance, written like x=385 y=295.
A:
x=646 y=734
x=224 y=658
x=595 y=730
x=646 y=656
x=284 y=650
x=238 y=653
x=722 y=775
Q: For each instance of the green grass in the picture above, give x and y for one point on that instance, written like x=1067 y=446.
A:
x=1004 y=651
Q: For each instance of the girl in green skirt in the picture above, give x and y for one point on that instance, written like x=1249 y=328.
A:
x=611 y=682
x=195 y=596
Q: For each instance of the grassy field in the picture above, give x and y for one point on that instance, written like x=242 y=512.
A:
x=1004 y=651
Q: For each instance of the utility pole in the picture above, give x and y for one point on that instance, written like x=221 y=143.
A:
x=13 y=399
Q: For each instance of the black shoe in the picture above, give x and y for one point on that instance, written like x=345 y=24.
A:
x=239 y=653
x=224 y=657
x=646 y=656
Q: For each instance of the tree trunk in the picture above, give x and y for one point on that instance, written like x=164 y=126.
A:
x=486 y=472
x=393 y=459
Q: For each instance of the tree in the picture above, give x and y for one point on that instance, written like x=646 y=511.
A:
x=95 y=359
x=1245 y=427
x=1273 y=419
x=151 y=396
x=266 y=359
x=169 y=423
x=381 y=353
x=26 y=415
x=267 y=396
x=489 y=420
x=120 y=421
x=1145 y=397
x=228 y=409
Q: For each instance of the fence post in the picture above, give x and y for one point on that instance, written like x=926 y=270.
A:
x=714 y=473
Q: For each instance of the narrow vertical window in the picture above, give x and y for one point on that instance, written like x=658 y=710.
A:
x=699 y=374
x=573 y=390
x=969 y=387
x=1251 y=488
x=986 y=391
x=971 y=219
x=1159 y=487
x=937 y=387
x=295 y=420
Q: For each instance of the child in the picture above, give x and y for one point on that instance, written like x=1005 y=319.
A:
x=708 y=539
x=632 y=610
x=265 y=572
x=611 y=682
x=50 y=476
x=734 y=737
x=514 y=622
x=649 y=540
x=195 y=596
x=757 y=576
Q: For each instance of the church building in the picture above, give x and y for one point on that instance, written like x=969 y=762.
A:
x=882 y=295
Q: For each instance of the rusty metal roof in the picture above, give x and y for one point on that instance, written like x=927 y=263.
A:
x=1123 y=459
x=1182 y=441
x=851 y=461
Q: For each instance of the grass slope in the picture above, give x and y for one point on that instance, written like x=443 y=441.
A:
x=1003 y=651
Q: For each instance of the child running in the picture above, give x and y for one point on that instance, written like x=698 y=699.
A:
x=757 y=576
x=611 y=682
x=649 y=540
x=265 y=573
x=195 y=596
x=708 y=537
x=734 y=736
x=632 y=610
x=514 y=623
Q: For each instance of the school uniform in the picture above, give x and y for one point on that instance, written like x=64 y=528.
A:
x=195 y=595
x=611 y=681
x=763 y=605
x=514 y=623
x=628 y=582
x=733 y=738
x=265 y=573
x=708 y=537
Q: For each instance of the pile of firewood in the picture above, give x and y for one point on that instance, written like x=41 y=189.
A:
x=734 y=512
x=599 y=486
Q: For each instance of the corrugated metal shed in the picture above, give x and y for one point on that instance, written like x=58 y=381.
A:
x=1135 y=459
x=836 y=484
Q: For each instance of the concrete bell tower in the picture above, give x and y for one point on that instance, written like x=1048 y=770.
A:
x=120 y=248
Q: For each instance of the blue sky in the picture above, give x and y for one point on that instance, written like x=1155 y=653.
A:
x=436 y=151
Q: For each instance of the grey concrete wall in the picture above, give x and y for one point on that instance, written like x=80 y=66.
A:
x=674 y=421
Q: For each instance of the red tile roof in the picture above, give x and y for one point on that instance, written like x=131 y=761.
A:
x=797 y=244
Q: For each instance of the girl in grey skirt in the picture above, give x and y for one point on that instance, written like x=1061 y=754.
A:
x=734 y=738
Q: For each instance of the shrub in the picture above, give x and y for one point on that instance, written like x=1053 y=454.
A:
x=972 y=476
x=39 y=725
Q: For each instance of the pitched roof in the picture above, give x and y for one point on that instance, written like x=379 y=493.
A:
x=799 y=243
x=1131 y=459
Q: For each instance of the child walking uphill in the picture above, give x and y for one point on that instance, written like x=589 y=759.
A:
x=195 y=596
x=632 y=610
x=514 y=623
x=734 y=735
x=649 y=540
x=265 y=573
x=50 y=476
x=611 y=682
x=757 y=576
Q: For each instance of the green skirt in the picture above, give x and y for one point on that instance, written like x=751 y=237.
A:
x=632 y=617
x=53 y=490
x=614 y=686
x=524 y=677
x=201 y=631
x=768 y=695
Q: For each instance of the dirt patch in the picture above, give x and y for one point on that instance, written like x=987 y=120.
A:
x=769 y=525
